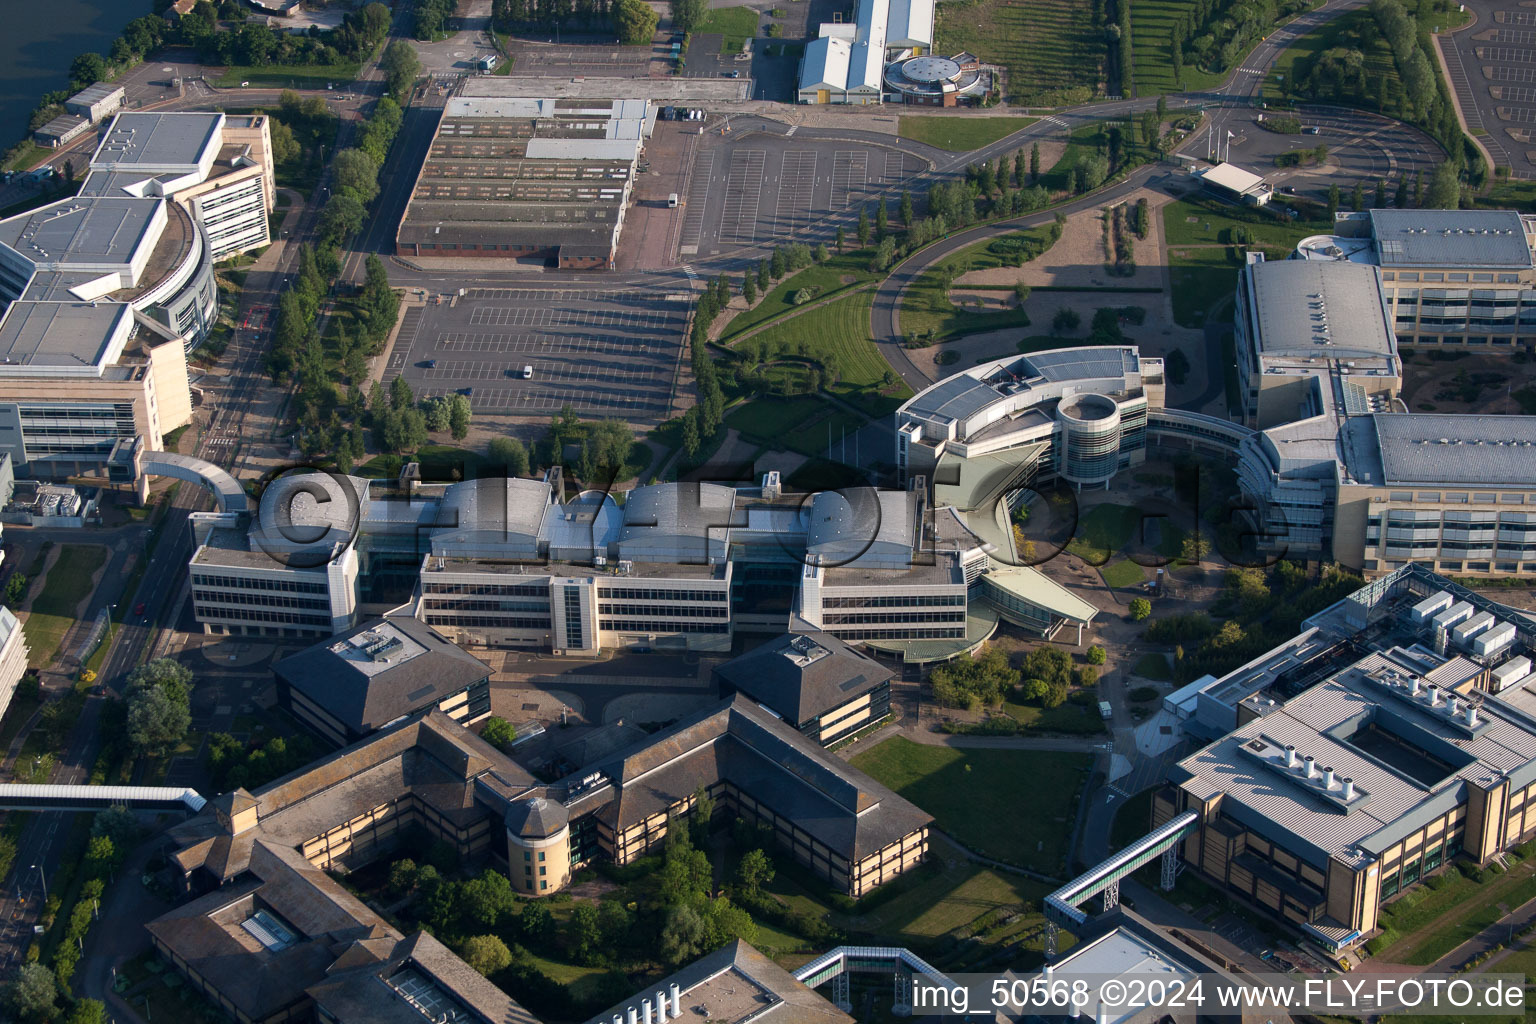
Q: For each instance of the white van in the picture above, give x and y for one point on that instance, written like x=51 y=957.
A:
x=672 y=201
x=527 y=372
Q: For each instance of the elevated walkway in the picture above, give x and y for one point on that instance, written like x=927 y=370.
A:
x=227 y=492
x=835 y=966
x=1063 y=907
x=23 y=797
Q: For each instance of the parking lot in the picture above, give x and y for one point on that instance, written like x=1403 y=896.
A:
x=607 y=354
x=758 y=186
x=552 y=60
x=1491 y=70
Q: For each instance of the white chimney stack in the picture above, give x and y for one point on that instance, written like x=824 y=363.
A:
x=661 y=1006
x=1472 y=715
x=645 y=1011
x=618 y=1018
x=1290 y=755
x=1414 y=687
x=634 y=1015
x=1310 y=765
x=1455 y=705
x=1349 y=790
x=1434 y=696
x=677 y=1000
x=1327 y=778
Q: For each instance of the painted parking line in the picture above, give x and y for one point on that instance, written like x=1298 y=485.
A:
x=1515 y=36
x=1506 y=54
x=743 y=192
x=1513 y=93
x=1515 y=17
x=698 y=195
x=850 y=171
x=793 y=209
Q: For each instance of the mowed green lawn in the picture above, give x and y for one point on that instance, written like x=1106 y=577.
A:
x=1208 y=222
x=55 y=607
x=1050 y=48
x=1152 y=49
x=301 y=76
x=1013 y=805
x=736 y=24
x=839 y=332
x=1201 y=278
x=960 y=134
x=1354 y=30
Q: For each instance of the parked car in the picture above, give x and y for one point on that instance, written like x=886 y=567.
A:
x=1312 y=129
x=138 y=609
x=428 y=364
x=730 y=74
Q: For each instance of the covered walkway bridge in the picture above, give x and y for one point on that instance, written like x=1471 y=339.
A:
x=1063 y=907
x=22 y=797
x=835 y=966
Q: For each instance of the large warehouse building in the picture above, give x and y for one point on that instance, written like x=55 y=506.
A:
x=846 y=63
x=511 y=178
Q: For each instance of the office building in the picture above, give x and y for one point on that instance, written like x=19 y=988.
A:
x=1463 y=278
x=96 y=102
x=510 y=178
x=13 y=656
x=357 y=682
x=814 y=682
x=1395 y=734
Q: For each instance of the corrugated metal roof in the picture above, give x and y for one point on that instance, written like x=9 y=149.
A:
x=1450 y=238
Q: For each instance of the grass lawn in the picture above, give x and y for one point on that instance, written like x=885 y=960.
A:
x=27 y=154
x=54 y=609
x=1208 y=222
x=1201 y=278
x=1433 y=922
x=839 y=331
x=975 y=795
x=802 y=423
x=1152 y=666
x=736 y=24
x=1354 y=30
x=1151 y=49
x=1132 y=821
x=301 y=76
x=843 y=270
x=1509 y=194
x=926 y=305
x=1051 y=50
x=1067 y=718
x=1103 y=530
x=1084 y=141
x=1124 y=573
x=960 y=134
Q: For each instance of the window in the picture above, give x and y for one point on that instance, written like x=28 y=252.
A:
x=541 y=856
x=541 y=869
x=527 y=855
x=543 y=885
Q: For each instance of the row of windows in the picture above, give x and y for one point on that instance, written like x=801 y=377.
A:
x=851 y=618
x=487 y=606
x=1474 y=278
x=671 y=613
x=896 y=601
x=207 y=597
x=488 y=622
x=954 y=633
x=627 y=626
x=256 y=615
x=661 y=594
x=246 y=583
x=540 y=589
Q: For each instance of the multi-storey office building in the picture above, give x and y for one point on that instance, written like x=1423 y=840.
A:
x=1393 y=735
x=1464 y=278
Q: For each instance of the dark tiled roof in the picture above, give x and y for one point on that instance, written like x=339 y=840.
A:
x=363 y=702
x=538 y=818
x=779 y=675
x=837 y=804
x=357 y=992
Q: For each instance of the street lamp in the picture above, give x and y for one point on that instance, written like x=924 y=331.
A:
x=44 y=877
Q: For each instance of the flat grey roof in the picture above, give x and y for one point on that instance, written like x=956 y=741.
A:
x=157 y=139
x=1469 y=450
x=1450 y=238
x=59 y=334
x=1310 y=309
x=95 y=93
x=1083 y=363
x=95 y=231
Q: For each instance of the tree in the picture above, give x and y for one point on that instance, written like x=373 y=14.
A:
x=1381 y=194
x=509 y=452
x=1400 y=199
x=487 y=954
x=1444 y=191
x=583 y=934
x=536 y=923
x=400 y=67
x=703 y=816
x=885 y=253
x=88 y=69
x=905 y=209
x=688 y=15
x=1333 y=201
x=1194 y=548
x=402 y=876
x=1034 y=163
x=682 y=936
x=1357 y=198
x=862 y=232
x=1141 y=608
x=459 y=412
x=1418 y=188
x=167 y=672
x=498 y=732
x=356 y=174
x=1066 y=320
x=1095 y=655
x=157 y=721
x=840 y=238
x=33 y=994
x=749 y=287
x=342 y=218
x=88 y=1011
x=634 y=22
x=437 y=414
x=118 y=823
x=755 y=871
x=691 y=434
x=881 y=219
x=400 y=395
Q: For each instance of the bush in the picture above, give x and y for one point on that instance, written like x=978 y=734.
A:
x=801 y=296
x=1095 y=655
x=1142 y=694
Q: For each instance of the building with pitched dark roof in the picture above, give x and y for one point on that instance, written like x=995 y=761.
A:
x=813 y=681
x=350 y=685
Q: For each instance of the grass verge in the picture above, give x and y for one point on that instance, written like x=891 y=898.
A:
x=54 y=609
x=960 y=134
